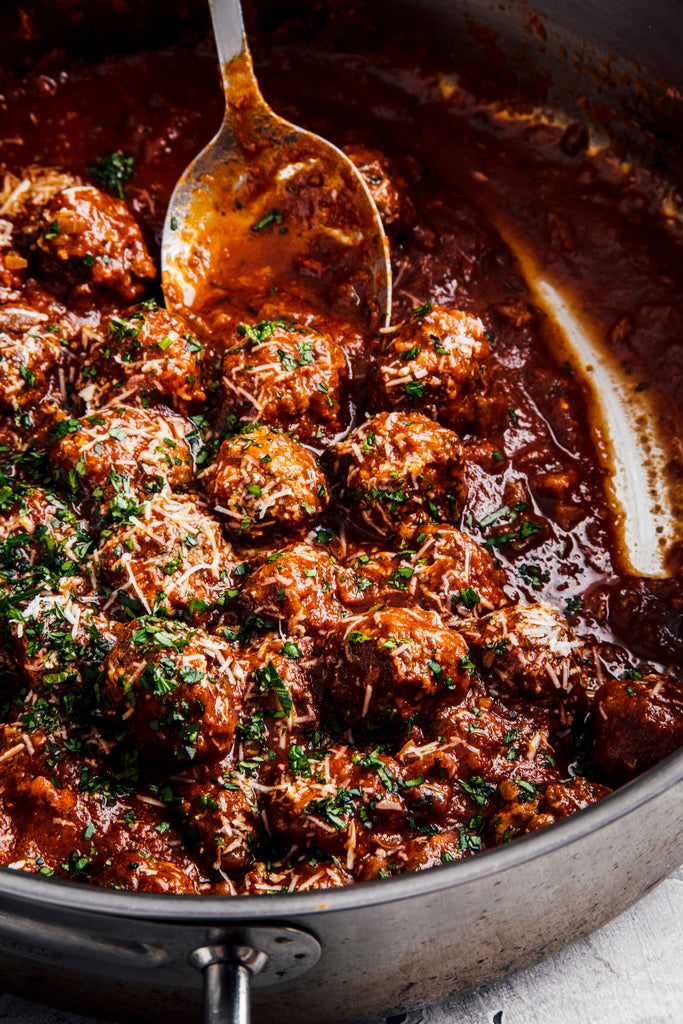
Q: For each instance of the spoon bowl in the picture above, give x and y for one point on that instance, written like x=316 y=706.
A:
x=268 y=207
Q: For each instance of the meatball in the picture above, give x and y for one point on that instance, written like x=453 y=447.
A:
x=263 y=482
x=27 y=365
x=121 y=453
x=288 y=376
x=636 y=723
x=280 y=697
x=41 y=528
x=440 y=568
x=401 y=854
x=335 y=803
x=306 y=873
x=436 y=361
x=395 y=466
x=142 y=872
x=528 y=649
x=528 y=806
x=148 y=352
x=173 y=559
x=571 y=795
x=222 y=817
x=386 y=186
x=179 y=690
x=88 y=236
x=483 y=738
x=61 y=642
x=387 y=663
x=296 y=586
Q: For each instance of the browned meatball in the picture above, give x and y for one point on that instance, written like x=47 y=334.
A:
x=528 y=649
x=395 y=466
x=335 y=802
x=398 y=854
x=280 y=697
x=120 y=450
x=61 y=641
x=27 y=365
x=637 y=723
x=89 y=236
x=385 y=184
x=263 y=482
x=528 y=806
x=435 y=567
x=483 y=738
x=287 y=375
x=142 y=872
x=386 y=663
x=296 y=586
x=172 y=559
x=43 y=527
x=223 y=818
x=179 y=690
x=571 y=795
x=436 y=361
x=440 y=568
x=304 y=874
x=147 y=352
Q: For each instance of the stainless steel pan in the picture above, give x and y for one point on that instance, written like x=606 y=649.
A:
x=388 y=946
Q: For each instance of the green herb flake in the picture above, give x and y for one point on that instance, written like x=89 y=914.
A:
x=469 y=597
x=478 y=790
x=274 y=217
x=415 y=390
x=111 y=171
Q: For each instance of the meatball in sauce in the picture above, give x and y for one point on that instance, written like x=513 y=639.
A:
x=288 y=605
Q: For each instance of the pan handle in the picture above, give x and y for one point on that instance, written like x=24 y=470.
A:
x=227 y=994
x=260 y=956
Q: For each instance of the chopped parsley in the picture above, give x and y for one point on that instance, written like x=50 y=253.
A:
x=415 y=390
x=274 y=217
x=111 y=171
x=478 y=790
x=268 y=678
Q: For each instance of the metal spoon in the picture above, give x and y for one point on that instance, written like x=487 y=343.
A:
x=268 y=206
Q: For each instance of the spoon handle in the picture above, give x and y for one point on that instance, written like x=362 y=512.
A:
x=228 y=28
